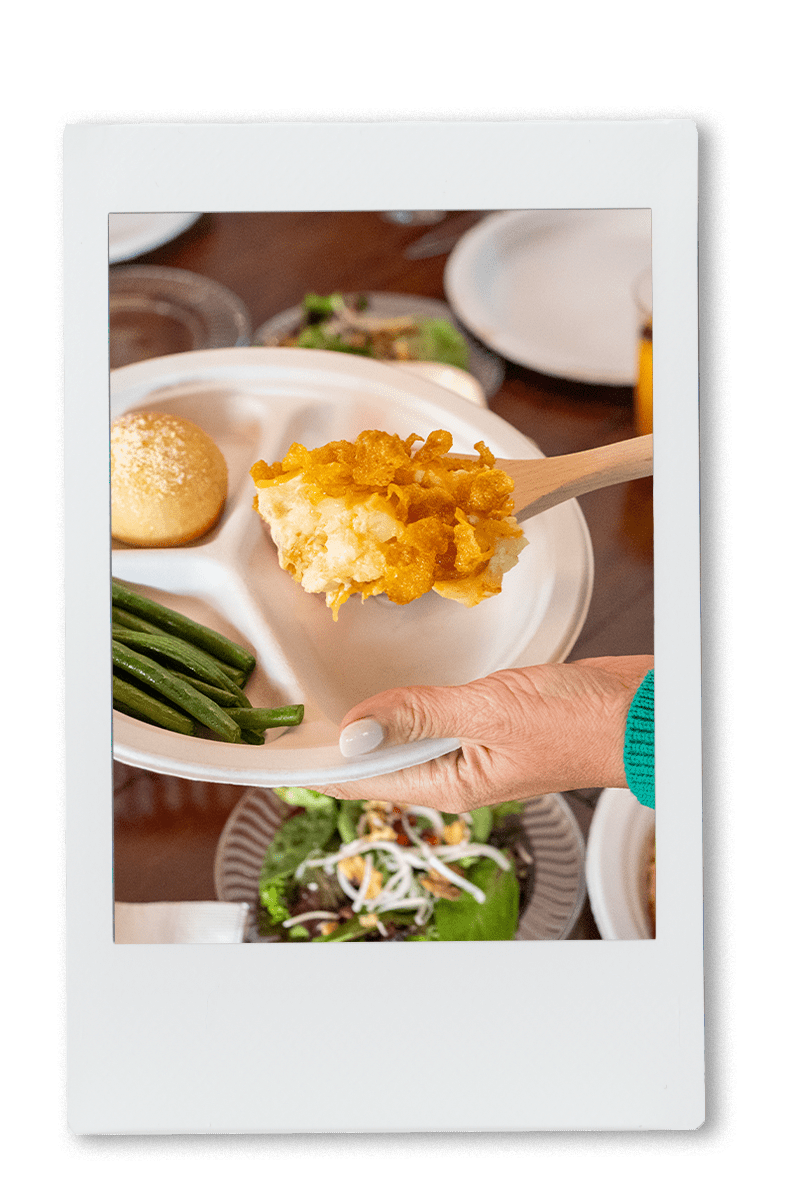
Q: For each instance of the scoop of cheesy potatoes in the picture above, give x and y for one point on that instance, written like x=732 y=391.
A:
x=380 y=516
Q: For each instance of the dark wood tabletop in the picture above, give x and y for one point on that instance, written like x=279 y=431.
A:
x=164 y=849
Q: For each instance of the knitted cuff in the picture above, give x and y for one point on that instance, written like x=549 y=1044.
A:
x=640 y=743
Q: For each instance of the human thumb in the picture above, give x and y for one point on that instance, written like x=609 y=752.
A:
x=404 y=714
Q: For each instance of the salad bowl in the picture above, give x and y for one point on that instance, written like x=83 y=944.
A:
x=556 y=887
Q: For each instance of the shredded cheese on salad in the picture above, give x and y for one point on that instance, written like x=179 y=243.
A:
x=402 y=862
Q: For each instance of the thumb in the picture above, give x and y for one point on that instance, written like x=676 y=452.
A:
x=405 y=714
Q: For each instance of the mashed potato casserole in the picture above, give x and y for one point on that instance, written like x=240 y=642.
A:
x=380 y=516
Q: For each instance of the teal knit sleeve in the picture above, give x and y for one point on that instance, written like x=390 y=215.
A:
x=640 y=743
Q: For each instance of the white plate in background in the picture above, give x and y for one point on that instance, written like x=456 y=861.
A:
x=254 y=403
x=621 y=841
x=552 y=290
x=132 y=234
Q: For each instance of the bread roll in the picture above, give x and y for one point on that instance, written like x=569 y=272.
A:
x=169 y=480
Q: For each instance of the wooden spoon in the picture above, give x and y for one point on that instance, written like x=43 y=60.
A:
x=541 y=483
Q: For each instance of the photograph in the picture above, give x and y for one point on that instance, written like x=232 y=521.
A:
x=375 y=537
x=382 y=575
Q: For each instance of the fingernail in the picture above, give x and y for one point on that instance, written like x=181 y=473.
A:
x=360 y=737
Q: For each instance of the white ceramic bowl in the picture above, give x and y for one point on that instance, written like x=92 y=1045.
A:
x=620 y=844
x=554 y=838
x=254 y=402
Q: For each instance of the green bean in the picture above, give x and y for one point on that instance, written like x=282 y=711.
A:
x=259 y=719
x=176 y=690
x=234 y=674
x=253 y=737
x=175 y=623
x=135 y=703
x=176 y=650
x=127 y=620
x=130 y=621
x=219 y=696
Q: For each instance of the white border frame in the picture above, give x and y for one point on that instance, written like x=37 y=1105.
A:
x=168 y=1039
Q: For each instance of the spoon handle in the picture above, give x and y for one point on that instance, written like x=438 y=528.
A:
x=544 y=482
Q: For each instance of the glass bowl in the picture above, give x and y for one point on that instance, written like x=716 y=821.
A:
x=156 y=311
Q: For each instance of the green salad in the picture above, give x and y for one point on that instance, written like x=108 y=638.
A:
x=340 y=871
x=336 y=322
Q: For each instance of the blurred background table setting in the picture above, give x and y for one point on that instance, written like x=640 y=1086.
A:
x=554 y=308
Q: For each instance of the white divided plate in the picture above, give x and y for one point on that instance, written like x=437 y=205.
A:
x=554 y=838
x=553 y=289
x=131 y=234
x=447 y=376
x=254 y=402
x=620 y=844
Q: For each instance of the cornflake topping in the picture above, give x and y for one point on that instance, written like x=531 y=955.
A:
x=380 y=517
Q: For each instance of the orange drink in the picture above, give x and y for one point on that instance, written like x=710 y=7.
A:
x=642 y=399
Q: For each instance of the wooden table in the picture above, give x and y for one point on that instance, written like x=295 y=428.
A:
x=270 y=260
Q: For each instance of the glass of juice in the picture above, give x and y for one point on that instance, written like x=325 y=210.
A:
x=642 y=398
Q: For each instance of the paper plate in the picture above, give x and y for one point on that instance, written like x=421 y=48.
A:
x=254 y=403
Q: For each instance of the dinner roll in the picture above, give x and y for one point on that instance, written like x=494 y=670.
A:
x=169 y=480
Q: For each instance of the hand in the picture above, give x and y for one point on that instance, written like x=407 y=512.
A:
x=523 y=732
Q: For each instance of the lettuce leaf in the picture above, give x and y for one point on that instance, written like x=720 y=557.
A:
x=481 y=824
x=466 y=920
x=439 y=341
x=348 y=819
x=314 y=337
x=293 y=841
x=301 y=797
x=322 y=306
x=272 y=899
x=509 y=808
